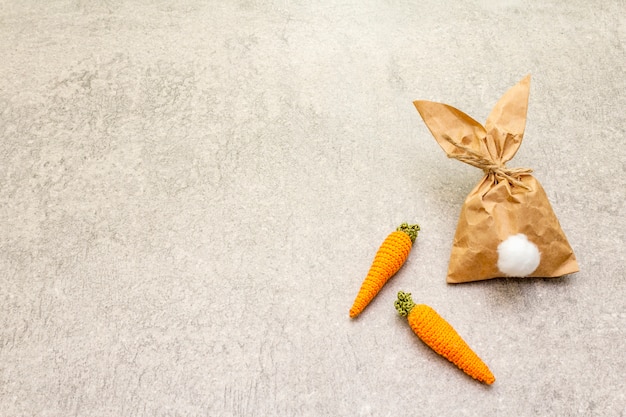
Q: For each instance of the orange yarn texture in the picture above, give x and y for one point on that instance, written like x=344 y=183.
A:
x=437 y=333
x=388 y=260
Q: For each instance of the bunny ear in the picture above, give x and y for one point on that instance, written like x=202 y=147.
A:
x=505 y=125
x=458 y=134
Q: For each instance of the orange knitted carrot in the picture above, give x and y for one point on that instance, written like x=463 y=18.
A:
x=442 y=338
x=388 y=260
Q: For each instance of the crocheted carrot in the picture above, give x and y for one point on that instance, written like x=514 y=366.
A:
x=388 y=260
x=442 y=338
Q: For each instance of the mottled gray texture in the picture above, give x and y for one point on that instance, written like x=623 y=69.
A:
x=191 y=193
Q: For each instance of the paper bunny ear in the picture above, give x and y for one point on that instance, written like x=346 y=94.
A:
x=456 y=132
x=463 y=138
x=507 y=121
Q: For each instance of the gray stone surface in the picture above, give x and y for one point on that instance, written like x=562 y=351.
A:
x=191 y=193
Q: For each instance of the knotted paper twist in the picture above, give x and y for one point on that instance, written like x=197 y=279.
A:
x=500 y=171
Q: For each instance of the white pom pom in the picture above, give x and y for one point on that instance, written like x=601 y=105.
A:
x=517 y=256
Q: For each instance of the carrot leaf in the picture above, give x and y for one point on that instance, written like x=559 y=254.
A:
x=409 y=229
x=404 y=304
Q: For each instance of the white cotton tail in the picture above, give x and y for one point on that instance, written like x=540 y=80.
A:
x=517 y=256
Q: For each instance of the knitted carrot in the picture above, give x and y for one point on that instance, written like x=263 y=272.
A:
x=442 y=338
x=388 y=260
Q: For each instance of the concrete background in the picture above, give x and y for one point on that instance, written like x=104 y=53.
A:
x=191 y=193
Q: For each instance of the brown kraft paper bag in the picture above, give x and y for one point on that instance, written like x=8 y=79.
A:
x=506 y=226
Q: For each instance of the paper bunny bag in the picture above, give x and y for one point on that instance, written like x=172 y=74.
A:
x=506 y=226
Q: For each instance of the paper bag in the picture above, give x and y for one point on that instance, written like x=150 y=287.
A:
x=506 y=226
